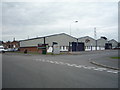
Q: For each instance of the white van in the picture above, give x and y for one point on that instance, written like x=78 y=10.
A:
x=2 y=48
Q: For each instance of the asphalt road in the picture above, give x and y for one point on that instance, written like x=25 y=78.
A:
x=59 y=71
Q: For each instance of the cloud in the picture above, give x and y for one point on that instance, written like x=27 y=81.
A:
x=60 y=0
x=21 y=19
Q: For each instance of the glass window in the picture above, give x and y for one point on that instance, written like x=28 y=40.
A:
x=63 y=47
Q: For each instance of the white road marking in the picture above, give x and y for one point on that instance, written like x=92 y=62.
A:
x=56 y=62
x=51 y=62
x=112 y=71
x=79 y=66
x=98 y=69
x=69 y=64
x=87 y=67
x=61 y=63
x=102 y=69
x=90 y=67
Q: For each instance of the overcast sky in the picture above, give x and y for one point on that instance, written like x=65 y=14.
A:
x=35 y=19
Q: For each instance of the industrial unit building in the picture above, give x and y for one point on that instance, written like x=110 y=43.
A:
x=101 y=43
x=67 y=43
x=62 y=40
x=114 y=43
x=89 y=42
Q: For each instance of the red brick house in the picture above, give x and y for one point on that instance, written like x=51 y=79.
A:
x=9 y=44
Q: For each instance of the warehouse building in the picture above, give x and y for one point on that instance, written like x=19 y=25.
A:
x=61 y=39
x=89 y=42
x=114 y=43
x=101 y=43
x=67 y=43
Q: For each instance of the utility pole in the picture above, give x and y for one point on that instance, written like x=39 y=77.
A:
x=95 y=37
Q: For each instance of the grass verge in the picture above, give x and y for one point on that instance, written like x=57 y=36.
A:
x=115 y=57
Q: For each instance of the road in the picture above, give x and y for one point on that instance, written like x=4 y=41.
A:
x=57 y=71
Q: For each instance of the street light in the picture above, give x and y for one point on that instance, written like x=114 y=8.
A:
x=70 y=26
x=70 y=47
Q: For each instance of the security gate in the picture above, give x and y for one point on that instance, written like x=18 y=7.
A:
x=77 y=46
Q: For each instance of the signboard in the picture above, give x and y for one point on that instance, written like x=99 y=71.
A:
x=55 y=43
x=42 y=46
x=87 y=40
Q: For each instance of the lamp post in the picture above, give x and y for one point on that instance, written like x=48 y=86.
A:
x=70 y=47
x=70 y=26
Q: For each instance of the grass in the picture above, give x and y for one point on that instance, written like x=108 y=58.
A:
x=115 y=57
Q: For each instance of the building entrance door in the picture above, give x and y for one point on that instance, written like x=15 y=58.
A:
x=77 y=46
x=108 y=46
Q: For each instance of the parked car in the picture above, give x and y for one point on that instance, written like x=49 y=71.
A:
x=2 y=49
x=12 y=49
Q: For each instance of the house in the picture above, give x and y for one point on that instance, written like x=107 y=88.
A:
x=11 y=44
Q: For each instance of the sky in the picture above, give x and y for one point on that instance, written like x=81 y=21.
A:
x=23 y=20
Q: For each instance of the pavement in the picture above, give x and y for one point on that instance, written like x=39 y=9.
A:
x=106 y=61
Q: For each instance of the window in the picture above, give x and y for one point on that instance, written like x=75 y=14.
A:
x=63 y=47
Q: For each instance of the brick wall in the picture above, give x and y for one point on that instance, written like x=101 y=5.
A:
x=29 y=49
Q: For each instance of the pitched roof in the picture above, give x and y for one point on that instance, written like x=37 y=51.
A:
x=86 y=37
x=48 y=36
x=112 y=40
